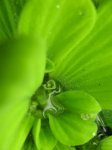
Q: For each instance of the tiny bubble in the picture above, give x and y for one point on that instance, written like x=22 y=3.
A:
x=94 y=134
x=85 y=116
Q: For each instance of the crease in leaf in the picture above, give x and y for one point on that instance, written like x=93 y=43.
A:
x=43 y=136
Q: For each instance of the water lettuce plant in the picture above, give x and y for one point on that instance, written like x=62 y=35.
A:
x=55 y=74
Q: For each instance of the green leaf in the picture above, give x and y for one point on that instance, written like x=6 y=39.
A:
x=22 y=132
x=60 y=146
x=75 y=125
x=11 y=116
x=89 y=66
x=105 y=144
x=22 y=67
x=9 y=14
x=49 y=66
x=63 y=24
x=43 y=136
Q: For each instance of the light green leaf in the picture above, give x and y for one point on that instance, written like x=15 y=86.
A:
x=75 y=125
x=22 y=67
x=43 y=136
x=22 y=132
x=89 y=66
x=63 y=24
x=60 y=146
x=9 y=14
x=10 y=119
x=105 y=144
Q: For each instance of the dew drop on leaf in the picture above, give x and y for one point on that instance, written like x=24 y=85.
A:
x=94 y=134
x=85 y=116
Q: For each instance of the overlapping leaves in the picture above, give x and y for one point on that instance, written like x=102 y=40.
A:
x=88 y=66
x=82 y=61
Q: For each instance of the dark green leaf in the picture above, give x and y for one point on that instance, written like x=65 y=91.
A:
x=105 y=144
x=60 y=146
x=107 y=117
x=49 y=66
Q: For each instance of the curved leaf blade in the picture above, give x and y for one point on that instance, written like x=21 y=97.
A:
x=43 y=136
x=22 y=132
x=63 y=24
x=88 y=67
x=75 y=125
x=10 y=119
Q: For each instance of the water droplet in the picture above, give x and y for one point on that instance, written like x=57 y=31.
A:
x=94 y=143
x=94 y=134
x=85 y=116
x=58 y=6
